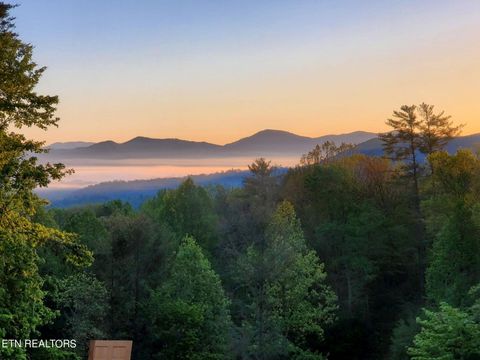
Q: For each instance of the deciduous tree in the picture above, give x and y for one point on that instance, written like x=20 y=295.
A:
x=22 y=309
x=287 y=302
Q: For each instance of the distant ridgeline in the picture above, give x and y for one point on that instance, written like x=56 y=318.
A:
x=264 y=143
x=373 y=147
x=136 y=192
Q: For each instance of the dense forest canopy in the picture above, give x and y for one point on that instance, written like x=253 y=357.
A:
x=345 y=256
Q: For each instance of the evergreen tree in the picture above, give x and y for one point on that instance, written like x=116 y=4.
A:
x=437 y=130
x=403 y=143
x=189 y=313
x=417 y=130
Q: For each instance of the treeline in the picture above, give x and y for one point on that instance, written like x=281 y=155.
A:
x=323 y=261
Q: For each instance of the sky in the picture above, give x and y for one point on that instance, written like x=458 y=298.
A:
x=218 y=70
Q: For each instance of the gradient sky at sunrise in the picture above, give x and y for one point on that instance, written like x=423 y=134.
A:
x=220 y=70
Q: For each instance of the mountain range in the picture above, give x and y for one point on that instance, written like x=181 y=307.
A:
x=264 y=143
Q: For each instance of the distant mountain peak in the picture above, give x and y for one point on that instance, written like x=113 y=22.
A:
x=139 y=138
x=274 y=131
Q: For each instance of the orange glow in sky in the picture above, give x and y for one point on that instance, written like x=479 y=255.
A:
x=311 y=70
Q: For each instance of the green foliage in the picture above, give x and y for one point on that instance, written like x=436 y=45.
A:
x=437 y=130
x=354 y=227
x=415 y=130
x=189 y=312
x=253 y=284
x=20 y=105
x=455 y=259
x=357 y=217
x=456 y=176
x=402 y=337
x=286 y=300
x=261 y=188
x=187 y=210
x=325 y=153
x=22 y=309
x=127 y=269
x=90 y=232
x=404 y=141
x=89 y=228
x=454 y=263
x=53 y=354
x=82 y=301
x=448 y=333
x=244 y=214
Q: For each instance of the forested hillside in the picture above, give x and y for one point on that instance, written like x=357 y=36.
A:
x=330 y=260
x=341 y=257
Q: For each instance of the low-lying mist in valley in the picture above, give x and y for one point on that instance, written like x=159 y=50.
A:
x=90 y=172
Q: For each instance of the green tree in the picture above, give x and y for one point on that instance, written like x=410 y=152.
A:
x=91 y=232
x=325 y=152
x=83 y=303
x=22 y=309
x=417 y=130
x=262 y=183
x=128 y=267
x=454 y=264
x=404 y=143
x=437 y=130
x=187 y=210
x=454 y=261
x=189 y=313
x=287 y=303
x=356 y=215
x=402 y=337
x=245 y=212
x=447 y=334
